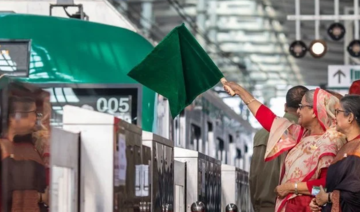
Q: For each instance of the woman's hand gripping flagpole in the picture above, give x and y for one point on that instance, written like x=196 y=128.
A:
x=227 y=88
x=233 y=89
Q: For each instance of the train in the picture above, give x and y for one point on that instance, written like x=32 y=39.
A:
x=91 y=71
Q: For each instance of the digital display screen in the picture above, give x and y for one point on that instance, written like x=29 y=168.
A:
x=14 y=58
x=120 y=102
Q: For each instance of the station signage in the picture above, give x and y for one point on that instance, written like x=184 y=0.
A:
x=119 y=102
x=342 y=76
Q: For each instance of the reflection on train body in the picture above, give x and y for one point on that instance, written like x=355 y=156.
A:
x=210 y=127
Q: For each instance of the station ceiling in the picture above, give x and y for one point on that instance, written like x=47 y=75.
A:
x=247 y=39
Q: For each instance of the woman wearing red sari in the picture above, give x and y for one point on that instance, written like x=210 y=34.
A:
x=311 y=144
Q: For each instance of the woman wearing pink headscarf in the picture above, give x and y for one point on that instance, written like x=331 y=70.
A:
x=311 y=145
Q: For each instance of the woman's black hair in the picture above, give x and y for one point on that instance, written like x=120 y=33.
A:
x=351 y=104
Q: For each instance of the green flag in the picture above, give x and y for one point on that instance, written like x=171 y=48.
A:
x=178 y=68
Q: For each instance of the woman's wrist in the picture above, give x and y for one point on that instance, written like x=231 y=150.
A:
x=329 y=200
x=40 y=198
x=296 y=189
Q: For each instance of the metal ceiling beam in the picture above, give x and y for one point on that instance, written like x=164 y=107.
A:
x=306 y=5
x=306 y=29
x=332 y=55
x=228 y=29
x=233 y=41
x=329 y=42
x=333 y=48
x=309 y=61
x=276 y=17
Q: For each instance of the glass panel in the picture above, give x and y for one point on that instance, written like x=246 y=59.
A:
x=25 y=112
x=14 y=58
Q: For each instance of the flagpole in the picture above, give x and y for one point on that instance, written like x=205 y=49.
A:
x=226 y=87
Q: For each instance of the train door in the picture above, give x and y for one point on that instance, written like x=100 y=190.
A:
x=202 y=180
x=217 y=203
x=144 y=179
x=168 y=179
x=207 y=185
x=158 y=184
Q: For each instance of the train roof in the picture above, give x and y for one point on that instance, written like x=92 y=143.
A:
x=75 y=51
x=71 y=51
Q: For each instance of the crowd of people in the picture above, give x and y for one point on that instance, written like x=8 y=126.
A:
x=308 y=160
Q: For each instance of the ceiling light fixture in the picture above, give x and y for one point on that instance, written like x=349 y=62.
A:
x=336 y=31
x=354 y=48
x=318 y=48
x=298 y=49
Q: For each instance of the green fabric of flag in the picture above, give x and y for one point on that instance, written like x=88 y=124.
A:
x=178 y=68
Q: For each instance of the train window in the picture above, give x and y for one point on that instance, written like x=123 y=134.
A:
x=210 y=127
x=246 y=149
x=195 y=136
x=220 y=148
x=119 y=102
x=238 y=153
x=231 y=139
x=220 y=144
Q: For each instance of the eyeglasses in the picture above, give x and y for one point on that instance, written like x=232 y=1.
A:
x=301 y=106
x=337 y=111
x=24 y=114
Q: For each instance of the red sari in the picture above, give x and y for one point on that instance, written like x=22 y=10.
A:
x=307 y=154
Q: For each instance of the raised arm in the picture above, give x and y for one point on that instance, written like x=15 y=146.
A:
x=245 y=96
x=262 y=113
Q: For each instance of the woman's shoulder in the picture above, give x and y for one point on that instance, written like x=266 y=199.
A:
x=333 y=137
x=334 y=133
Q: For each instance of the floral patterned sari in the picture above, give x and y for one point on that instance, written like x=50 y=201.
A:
x=308 y=154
